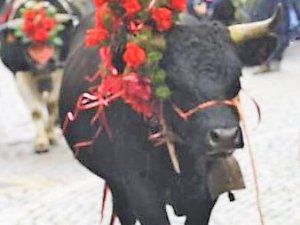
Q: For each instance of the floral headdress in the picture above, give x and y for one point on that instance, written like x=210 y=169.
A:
x=142 y=80
x=39 y=24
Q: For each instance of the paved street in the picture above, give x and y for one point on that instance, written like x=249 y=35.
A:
x=54 y=189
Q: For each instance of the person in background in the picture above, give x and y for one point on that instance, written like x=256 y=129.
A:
x=294 y=18
x=197 y=8
x=221 y=10
x=5 y=9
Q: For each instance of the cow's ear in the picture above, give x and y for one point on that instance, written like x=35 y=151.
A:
x=256 y=51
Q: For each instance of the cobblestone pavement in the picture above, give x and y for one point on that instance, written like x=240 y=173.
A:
x=53 y=189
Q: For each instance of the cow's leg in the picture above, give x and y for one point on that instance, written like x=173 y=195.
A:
x=122 y=208
x=272 y=64
x=145 y=201
x=199 y=213
x=50 y=129
x=27 y=85
x=277 y=55
x=52 y=105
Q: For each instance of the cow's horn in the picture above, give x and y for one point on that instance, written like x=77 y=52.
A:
x=244 y=32
x=64 y=18
x=11 y=24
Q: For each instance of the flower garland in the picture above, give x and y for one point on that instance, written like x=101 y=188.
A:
x=39 y=24
x=142 y=80
x=145 y=21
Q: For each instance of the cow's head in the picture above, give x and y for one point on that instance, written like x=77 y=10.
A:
x=41 y=35
x=203 y=64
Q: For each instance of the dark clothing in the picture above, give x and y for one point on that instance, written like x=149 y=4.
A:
x=191 y=3
x=221 y=10
x=294 y=18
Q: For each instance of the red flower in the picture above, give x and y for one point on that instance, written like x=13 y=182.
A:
x=40 y=35
x=99 y=3
x=95 y=35
x=131 y=6
x=42 y=12
x=29 y=14
x=137 y=93
x=179 y=5
x=101 y=14
x=37 y=24
x=134 y=55
x=162 y=17
x=111 y=85
x=28 y=27
x=48 y=23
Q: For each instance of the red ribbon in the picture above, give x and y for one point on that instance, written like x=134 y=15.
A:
x=151 y=4
x=185 y=115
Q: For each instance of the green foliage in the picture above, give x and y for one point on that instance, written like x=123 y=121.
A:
x=154 y=56
x=162 y=92
x=18 y=33
x=162 y=3
x=51 y=11
x=30 y=4
x=158 y=77
x=57 y=41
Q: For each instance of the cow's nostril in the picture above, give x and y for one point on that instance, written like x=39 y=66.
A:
x=225 y=138
x=214 y=136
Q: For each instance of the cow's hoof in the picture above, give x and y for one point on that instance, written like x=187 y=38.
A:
x=53 y=141
x=262 y=69
x=275 y=66
x=41 y=151
x=52 y=138
x=41 y=146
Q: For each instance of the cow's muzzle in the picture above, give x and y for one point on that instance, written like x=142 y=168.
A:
x=223 y=141
x=41 y=53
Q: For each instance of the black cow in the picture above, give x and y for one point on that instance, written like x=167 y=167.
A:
x=285 y=31
x=202 y=64
x=38 y=80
